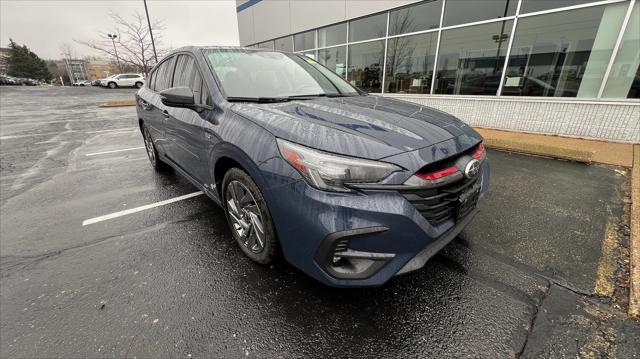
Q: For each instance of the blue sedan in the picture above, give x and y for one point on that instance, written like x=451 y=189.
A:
x=351 y=188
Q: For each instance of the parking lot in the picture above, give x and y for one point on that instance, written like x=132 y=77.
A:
x=542 y=271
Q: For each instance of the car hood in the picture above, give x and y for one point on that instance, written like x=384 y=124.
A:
x=370 y=126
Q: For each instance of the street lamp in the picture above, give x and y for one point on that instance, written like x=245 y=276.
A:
x=155 y=55
x=113 y=40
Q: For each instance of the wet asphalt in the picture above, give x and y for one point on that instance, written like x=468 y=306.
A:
x=171 y=282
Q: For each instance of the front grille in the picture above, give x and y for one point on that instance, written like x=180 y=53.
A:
x=439 y=204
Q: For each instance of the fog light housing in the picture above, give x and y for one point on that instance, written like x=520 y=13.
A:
x=339 y=261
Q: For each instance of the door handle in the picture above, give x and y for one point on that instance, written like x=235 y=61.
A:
x=209 y=134
x=144 y=104
x=165 y=113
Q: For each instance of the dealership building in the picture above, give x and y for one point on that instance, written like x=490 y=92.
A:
x=562 y=67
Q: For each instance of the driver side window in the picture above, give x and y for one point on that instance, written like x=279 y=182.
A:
x=187 y=75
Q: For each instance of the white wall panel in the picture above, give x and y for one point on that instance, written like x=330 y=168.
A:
x=310 y=14
x=245 y=26
x=271 y=19
x=358 y=8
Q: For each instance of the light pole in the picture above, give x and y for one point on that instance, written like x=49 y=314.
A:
x=113 y=40
x=153 y=43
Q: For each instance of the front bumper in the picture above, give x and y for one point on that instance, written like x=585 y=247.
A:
x=381 y=233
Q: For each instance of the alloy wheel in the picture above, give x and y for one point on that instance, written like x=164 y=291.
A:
x=148 y=144
x=245 y=216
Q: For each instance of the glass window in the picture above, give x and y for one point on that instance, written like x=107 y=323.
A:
x=187 y=75
x=471 y=59
x=334 y=59
x=563 y=54
x=365 y=65
x=464 y=11
x=305 y=40
x=266 y=45
x=371 y=27
x=263 y=74
x=410 y=62
x=151 y=79
x=284 y=44
x=332 y=35
x=539 y=5
x=423 y=16
x=164 y=74
x=624 y=78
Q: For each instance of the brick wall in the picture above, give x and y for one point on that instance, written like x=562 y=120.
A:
x=607 y=120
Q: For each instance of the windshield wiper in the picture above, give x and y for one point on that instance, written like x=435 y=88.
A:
x=284 y=98
x=257 y=99
x=311 y=96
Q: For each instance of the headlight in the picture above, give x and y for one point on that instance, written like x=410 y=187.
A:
x=330 y=172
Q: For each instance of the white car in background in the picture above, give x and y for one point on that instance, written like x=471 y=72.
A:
x=123 y=80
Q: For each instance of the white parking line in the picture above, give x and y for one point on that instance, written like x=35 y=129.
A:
x=8 y=137
x=114 y=151
x=115 y=130
x=139 y=209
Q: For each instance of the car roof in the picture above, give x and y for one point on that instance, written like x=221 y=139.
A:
x=196 y=48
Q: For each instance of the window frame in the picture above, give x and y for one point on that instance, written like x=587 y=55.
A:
x=204 y=83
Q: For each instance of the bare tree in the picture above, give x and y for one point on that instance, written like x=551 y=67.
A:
x=66 y=50
x=399 y=51
x=133 y=42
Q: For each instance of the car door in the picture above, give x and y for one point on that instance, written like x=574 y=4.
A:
x=129 y=80
x=120 y=80
x=157 y=111
x=192 y=132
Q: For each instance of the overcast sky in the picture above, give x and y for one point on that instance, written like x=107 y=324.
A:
x=44 y=25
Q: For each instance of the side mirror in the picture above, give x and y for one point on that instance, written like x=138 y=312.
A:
x=178 y=97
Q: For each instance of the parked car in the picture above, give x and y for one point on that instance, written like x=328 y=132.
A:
x=82 y=83
x=351 y=188
x=13 y=80
x=27 y=82
x=123 y=80
x=95 y=82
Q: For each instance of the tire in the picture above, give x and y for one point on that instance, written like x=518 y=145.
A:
x=152 y=153
x=112 y=85
x=138 y=85
x=244 y=220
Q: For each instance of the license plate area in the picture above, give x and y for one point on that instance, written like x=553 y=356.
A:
x=468 y=200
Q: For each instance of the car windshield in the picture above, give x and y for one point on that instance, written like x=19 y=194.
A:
x=265 y=75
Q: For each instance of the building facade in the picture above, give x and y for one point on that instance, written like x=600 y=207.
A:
x=562 y=67
x=76 y=70
x=99 y=69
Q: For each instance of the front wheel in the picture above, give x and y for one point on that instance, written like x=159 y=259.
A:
x=152 y=153
x=112 y=85
x=138 y=85
x=248 y=217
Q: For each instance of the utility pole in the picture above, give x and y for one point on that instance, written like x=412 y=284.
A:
x=153 y=43
x=113 y=40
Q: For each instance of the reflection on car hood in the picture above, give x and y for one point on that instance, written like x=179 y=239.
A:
x=363 y=126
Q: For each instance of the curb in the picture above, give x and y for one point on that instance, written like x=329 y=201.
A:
x=575 y=149
x=122 y=103
x=634 y=255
